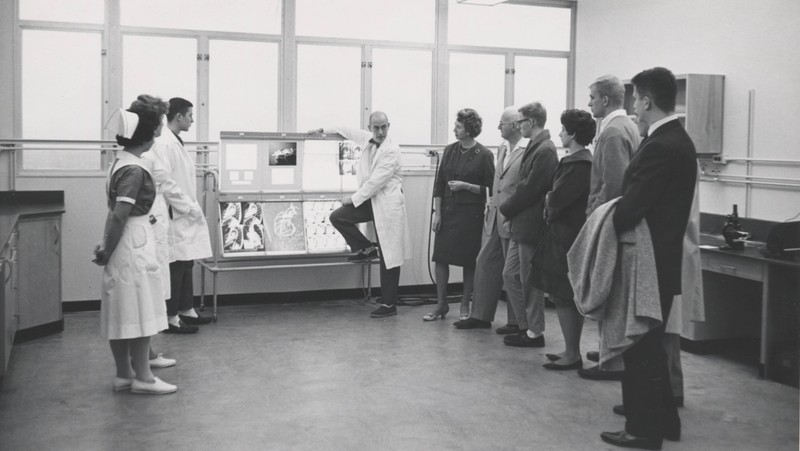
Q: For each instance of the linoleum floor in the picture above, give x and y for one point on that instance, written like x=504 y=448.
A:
x=324 y=376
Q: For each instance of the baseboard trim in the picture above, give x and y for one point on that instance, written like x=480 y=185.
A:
x=40 y=331
x=412 y=293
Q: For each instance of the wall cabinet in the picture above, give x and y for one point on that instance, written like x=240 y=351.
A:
x=699 y=102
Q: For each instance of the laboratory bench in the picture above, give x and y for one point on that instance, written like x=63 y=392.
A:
x=30 y=267
x=749 y=294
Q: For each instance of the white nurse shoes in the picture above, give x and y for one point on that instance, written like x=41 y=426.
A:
x=162 y=362
x=157 y=387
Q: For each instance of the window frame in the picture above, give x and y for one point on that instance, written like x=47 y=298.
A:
x=112 y=32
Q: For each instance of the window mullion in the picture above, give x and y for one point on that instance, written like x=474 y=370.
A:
x=202 y=107
x=441 y=74
x=112 y=64
x=287 y=65
x=510 y=79
x=366 y=84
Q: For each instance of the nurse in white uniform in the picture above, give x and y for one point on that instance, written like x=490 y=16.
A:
x=132 y=297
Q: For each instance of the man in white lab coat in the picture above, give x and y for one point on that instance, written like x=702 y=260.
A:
x=379 y=198
x=188 y=234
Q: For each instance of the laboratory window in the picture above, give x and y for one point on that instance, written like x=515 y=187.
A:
x=243 y=87
x=162 y=67
x=385 y=20
x=401 y=86
x=244 y=16
x=61 y=96
x=477 y=81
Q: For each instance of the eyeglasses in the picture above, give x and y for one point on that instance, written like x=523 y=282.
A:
x=505 y=123
x=524 y=120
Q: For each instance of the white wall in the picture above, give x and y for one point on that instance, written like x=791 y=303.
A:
x=82 y=227
x=753 y=43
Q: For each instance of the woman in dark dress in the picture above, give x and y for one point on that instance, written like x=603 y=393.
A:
x=565 y=214
x=465 y=174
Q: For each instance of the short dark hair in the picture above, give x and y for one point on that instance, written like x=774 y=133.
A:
x=535 y=111
x=579 y=123
x=149 y=109
x=471 y=120
x=660 y=85
x=178 y=105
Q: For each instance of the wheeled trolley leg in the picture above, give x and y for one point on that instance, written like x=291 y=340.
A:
x=214 y=287
x=202 y=288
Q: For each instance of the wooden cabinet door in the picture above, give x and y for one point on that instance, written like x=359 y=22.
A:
x=39 y=263
x=8 y=300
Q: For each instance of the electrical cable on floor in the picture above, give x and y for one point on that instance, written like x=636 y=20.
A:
x=416 y=301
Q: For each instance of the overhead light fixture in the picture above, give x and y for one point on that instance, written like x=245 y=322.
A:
x=481 y=2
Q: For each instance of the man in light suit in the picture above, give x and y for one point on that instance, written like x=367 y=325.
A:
x=658 y=186
x=524 y=208
x=617 y=140
x=496 y=235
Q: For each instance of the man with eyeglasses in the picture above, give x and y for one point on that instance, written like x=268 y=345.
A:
x=496 y=234
x=524 y=211
x=379 y=198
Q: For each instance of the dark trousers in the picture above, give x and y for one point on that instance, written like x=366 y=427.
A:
x=650 y=409
x=345 y=220
x=182 y=295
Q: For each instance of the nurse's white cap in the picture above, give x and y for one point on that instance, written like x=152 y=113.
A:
x=122 y=123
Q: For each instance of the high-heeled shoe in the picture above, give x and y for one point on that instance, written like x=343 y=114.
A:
x=464 y=311
x=433 y=316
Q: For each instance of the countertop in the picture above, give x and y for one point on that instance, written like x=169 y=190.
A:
x=16 y=204
x=711 y=243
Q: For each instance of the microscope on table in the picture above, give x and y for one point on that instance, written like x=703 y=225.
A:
x=733 y=233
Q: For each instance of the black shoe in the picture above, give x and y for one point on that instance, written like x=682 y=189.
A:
x=191 y=320
x=472 y=323
x=552 y=357
x=625 y=440
x=182 y=329
x=673 y=436
x=593 y=356
x=383 y=311
x=507 y=329
x=570 y=366
x=596 y=374
x=364 y=254
x=522 y=340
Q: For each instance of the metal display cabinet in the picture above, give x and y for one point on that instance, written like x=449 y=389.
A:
x=274 y=194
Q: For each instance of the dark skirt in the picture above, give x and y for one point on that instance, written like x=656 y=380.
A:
x=459 y=239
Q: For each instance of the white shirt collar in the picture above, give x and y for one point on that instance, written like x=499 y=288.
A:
x=612 y=115
x=657 y=124
x=522 y=143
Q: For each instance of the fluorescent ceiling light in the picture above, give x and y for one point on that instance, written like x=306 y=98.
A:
x=481 y=2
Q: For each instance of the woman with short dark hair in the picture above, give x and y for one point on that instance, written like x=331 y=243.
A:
x=565 y=213
x=132 y=298
x=465 y=174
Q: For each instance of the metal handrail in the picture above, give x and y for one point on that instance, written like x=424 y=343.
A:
x=760 y=160
x=723 y=179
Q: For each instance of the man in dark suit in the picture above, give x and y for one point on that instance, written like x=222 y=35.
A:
x=658 y=186
x=524 y=210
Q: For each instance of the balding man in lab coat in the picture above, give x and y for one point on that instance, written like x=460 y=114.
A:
x=379 y=198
